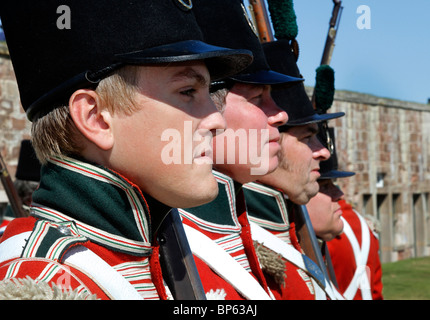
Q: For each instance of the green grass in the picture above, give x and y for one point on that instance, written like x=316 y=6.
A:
x=407 y=279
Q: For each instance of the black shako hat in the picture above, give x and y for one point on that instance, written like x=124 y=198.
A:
x=225 y=23
x=329 y=168
x=28 y=164
x=293 y=99
x=57 y=47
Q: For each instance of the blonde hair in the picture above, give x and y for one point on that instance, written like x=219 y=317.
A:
x=55 y=134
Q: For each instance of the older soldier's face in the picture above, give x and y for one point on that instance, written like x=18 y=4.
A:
x=325 y=212
x=298 y=170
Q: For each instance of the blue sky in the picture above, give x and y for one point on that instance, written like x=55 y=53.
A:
x=391 y=59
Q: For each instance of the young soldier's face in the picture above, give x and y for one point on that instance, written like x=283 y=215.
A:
x=249 y=147
x=165 y=146
x=298 y=170
x=324 y=211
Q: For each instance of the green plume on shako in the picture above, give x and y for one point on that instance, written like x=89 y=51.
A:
x=324 y=88
x=283 y=18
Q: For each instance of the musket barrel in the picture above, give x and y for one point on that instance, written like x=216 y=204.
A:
x=262 y=20
x=177 y=260
x=14 y=199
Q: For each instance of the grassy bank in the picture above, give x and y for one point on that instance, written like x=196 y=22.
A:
x=407 y=279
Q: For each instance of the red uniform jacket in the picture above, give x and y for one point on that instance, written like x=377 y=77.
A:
x=267 y=208
x=88 y=235
x=344 y=262
x=221 y=229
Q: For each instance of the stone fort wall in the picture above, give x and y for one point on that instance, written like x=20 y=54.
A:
x=387 y=143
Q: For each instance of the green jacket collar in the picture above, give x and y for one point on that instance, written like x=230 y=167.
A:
x=107 y=209
x=220 y=215
x=266 y=206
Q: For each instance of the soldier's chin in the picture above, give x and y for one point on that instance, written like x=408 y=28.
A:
x=198 y=195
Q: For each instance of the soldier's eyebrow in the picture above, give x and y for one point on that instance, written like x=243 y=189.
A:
x=190 y=73
x=311 y=129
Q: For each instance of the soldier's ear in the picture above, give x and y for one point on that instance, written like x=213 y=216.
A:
x=93 y=121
